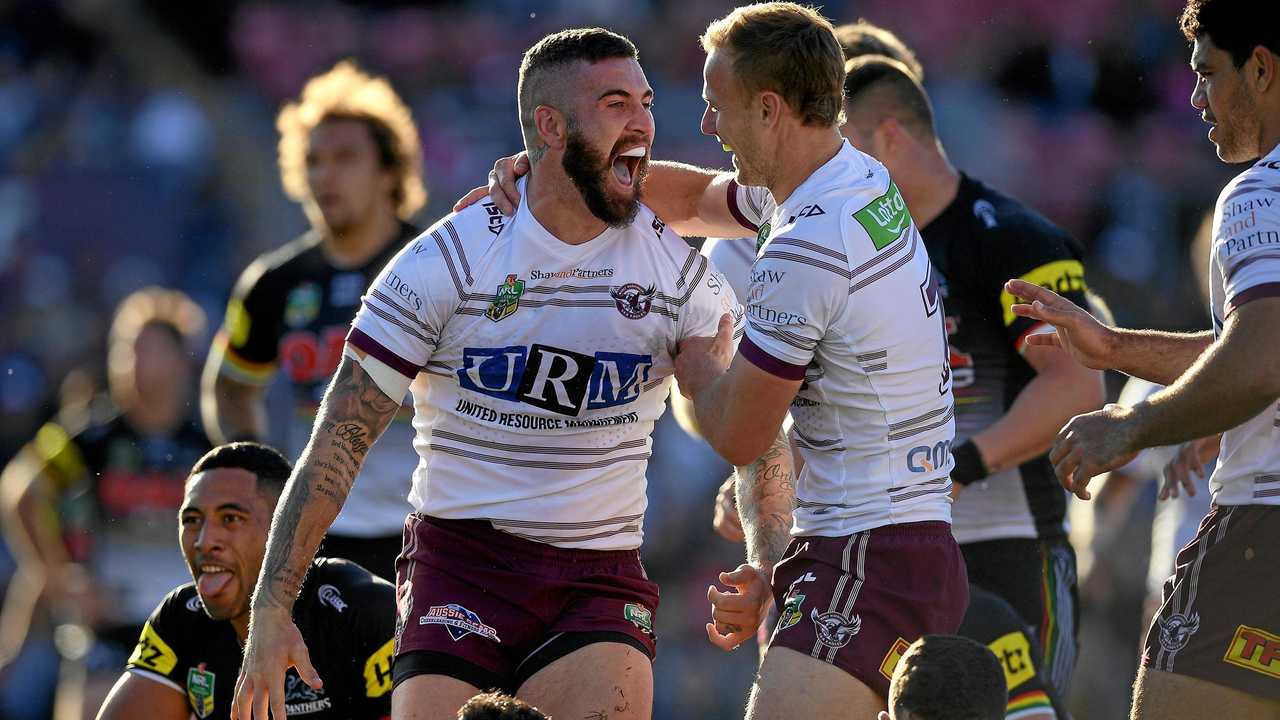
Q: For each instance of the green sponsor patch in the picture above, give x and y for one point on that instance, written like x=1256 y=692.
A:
x=640 y=616
x=885 y=218
x=763 y=236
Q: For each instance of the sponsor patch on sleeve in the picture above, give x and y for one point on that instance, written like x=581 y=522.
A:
x=152 y=653
x=1060 y=276
x=1014 y=654
x=885 y=218
x=377 y=671
x=1256 y=650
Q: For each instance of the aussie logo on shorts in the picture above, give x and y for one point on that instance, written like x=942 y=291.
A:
x=1176 y=631
x=835 y=630
x=459 y=621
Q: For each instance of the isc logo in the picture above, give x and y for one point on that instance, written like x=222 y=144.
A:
x=562 y=381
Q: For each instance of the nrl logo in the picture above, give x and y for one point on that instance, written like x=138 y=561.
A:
x=1176 y=632
x=506 y=300
x=763 y=236
x=633 y=301
x=834 y=629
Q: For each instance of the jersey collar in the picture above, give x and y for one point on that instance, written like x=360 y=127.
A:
x=834 y=172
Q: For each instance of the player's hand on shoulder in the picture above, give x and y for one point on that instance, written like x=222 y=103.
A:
x=700 y=360
x=273 y=646
x=726 y=521
x=501 y=188
x=1077 y=331
x=1188 y=464
x=736 y=614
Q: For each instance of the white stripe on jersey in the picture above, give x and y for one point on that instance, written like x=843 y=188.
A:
x=548 y=364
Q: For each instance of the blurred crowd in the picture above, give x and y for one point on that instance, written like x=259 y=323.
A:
x=137 y=148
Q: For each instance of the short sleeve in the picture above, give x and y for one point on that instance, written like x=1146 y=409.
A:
x=1038 y=256
x=400 y=316
x=251 y=327
x=373 y=630
x=711 y=296
x=158 y=654
x=751 y=206
x=798 y=289
x=1247 y=241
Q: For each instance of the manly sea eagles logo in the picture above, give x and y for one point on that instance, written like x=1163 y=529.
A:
x=632 y=300
x=1176 y=631
x=834 y=629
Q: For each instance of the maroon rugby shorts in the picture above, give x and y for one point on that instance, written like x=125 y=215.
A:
x=858 y=601
x=491 y=609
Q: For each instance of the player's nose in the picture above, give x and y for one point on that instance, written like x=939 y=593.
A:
x=708 y=122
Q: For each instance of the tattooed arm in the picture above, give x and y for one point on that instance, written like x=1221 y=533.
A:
x=352 y=415
x=766 y=497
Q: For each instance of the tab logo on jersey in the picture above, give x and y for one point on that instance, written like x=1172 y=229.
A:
x=1060 y=276
x=1014 y=653
x=1256 y=650
x=152 y=653
x=459 y=621
x=891 y=658
x=561 y=381
x=200 y=691
x=506 y=299
x=885 y=218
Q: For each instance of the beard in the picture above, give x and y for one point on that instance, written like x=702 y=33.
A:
x=1238 y=130
x=589 y=169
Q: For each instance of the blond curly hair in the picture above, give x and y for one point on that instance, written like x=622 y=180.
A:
x=348 y=92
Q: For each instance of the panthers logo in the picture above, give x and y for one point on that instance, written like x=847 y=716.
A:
x=1177 y=630
x=834 y=629
x=633 y=301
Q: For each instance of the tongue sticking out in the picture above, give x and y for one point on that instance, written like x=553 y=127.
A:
x=211 y=584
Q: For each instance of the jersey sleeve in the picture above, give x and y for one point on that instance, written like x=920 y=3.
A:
x=798 y=290
x=372 y=629
x=750 y=206
x=251 y=327
x=1038 y=256
x=1247 y=239
x=993 y=622
x=159 y=653
x=710 y=297
x=401 y=315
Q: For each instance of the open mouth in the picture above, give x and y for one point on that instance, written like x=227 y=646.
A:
x=212 y=579
x=627 y=163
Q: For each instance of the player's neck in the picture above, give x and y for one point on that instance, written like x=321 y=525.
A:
x=802 y=150
x=929 y=183
x=558 y=206
x=354 y=246
x=240 y=624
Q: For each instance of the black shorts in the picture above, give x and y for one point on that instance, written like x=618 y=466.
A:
x=1038 y=578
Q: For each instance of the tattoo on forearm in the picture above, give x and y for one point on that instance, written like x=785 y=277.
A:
x=766 y=498
x=352 y=416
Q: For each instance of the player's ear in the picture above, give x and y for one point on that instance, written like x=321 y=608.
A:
x=770 y=106
x=1263 y=74
x=882 y=715
x=553 y=126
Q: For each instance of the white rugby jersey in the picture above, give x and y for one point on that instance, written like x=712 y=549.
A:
x=549 y=365
x=842 y=295
x=733 y=257
x=1245 y=266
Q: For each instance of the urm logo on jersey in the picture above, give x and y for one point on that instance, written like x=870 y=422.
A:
x=554 y=379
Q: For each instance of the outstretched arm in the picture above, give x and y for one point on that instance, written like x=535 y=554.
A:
x=352 y=416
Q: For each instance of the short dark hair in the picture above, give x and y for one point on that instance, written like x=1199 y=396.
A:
x=267 y=464
x=1237 y=26
x=948 y=677
x=542 y=71
x=498 y=706
x=788 y=49
x=866 y=38
x=897 y=93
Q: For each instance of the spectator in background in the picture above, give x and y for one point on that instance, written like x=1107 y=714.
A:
x=349 y=153
x=946 y=677
x=497 y=706
x=89 y=510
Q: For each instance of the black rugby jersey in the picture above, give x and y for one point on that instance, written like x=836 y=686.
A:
x=979 y=241
x=346 y=616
